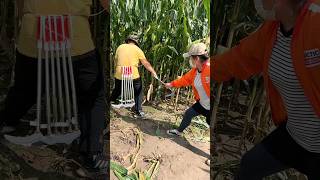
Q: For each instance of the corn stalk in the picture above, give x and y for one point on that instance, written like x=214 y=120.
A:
x=255 y=97
x=228 y=45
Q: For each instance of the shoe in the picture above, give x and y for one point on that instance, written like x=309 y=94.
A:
x=139 y=114
x=97 y=164
x=174 y=132
x=208 y=162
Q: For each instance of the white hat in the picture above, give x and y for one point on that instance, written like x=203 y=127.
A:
x=196 y=50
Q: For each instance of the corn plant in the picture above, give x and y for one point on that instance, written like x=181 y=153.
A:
x=166 y=30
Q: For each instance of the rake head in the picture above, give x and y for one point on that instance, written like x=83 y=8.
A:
x=54 y=41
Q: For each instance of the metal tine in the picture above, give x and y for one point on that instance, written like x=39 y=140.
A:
x=39 y=78
x=128 y=90
x=129 y=87
x=48 y=103
x=126 y=86
x=132 y=87
x=65 y=74
x=53 y=76
x=122 y=86
x=71 y=75
x=127 y=80
x=58 y=59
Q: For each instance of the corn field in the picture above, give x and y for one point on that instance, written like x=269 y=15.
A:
x=166 y=28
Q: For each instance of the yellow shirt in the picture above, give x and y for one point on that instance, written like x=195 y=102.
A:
x=128 y=55
x=79 y=10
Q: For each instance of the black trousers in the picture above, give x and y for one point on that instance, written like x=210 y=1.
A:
x=137 y=86
x=278 y=152
x=89 y=82
x=195 y=110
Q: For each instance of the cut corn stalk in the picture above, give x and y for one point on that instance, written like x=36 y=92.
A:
x=141 y=176
x=154 y=167
x=134 y=156
x=130 y=173
x=118 y=168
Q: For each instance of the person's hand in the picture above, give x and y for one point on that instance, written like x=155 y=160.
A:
x=168 y=85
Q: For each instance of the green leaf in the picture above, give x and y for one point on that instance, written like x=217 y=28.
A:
x=118 y=168
x=206 y=4
x=173 y=49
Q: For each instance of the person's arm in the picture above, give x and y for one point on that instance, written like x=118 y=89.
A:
x=244 y=60
x=148 y=66
x=185 y=80
x=105 y=4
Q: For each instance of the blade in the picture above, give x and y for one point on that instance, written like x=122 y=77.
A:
x=157 y=78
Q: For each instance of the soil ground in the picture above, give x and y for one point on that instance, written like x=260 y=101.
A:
x=228 y=137
x=181 y=157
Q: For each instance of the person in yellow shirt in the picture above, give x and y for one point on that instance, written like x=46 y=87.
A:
x=129 y=54
x=88 y=74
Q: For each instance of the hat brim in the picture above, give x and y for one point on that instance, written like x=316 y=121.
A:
x=135 y=41
x=186 y=55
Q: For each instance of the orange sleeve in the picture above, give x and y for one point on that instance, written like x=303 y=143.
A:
x=185 y=80
x=243 y=60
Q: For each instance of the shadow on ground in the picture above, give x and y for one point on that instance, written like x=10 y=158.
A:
x=149 y=126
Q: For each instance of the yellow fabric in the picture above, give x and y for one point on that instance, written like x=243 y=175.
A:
x=79 y=10
x=128 y=55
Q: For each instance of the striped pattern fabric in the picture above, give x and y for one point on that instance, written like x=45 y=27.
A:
x=303 y=124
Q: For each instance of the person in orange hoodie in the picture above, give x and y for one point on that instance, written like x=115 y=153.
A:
x=286 y=51
x=199 y=78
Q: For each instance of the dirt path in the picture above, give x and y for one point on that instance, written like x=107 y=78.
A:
x=181 y=158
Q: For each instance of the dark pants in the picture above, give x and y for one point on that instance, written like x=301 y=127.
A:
x=89 y=82
x=137 y=86
x=278 y=152
x=193 y=111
